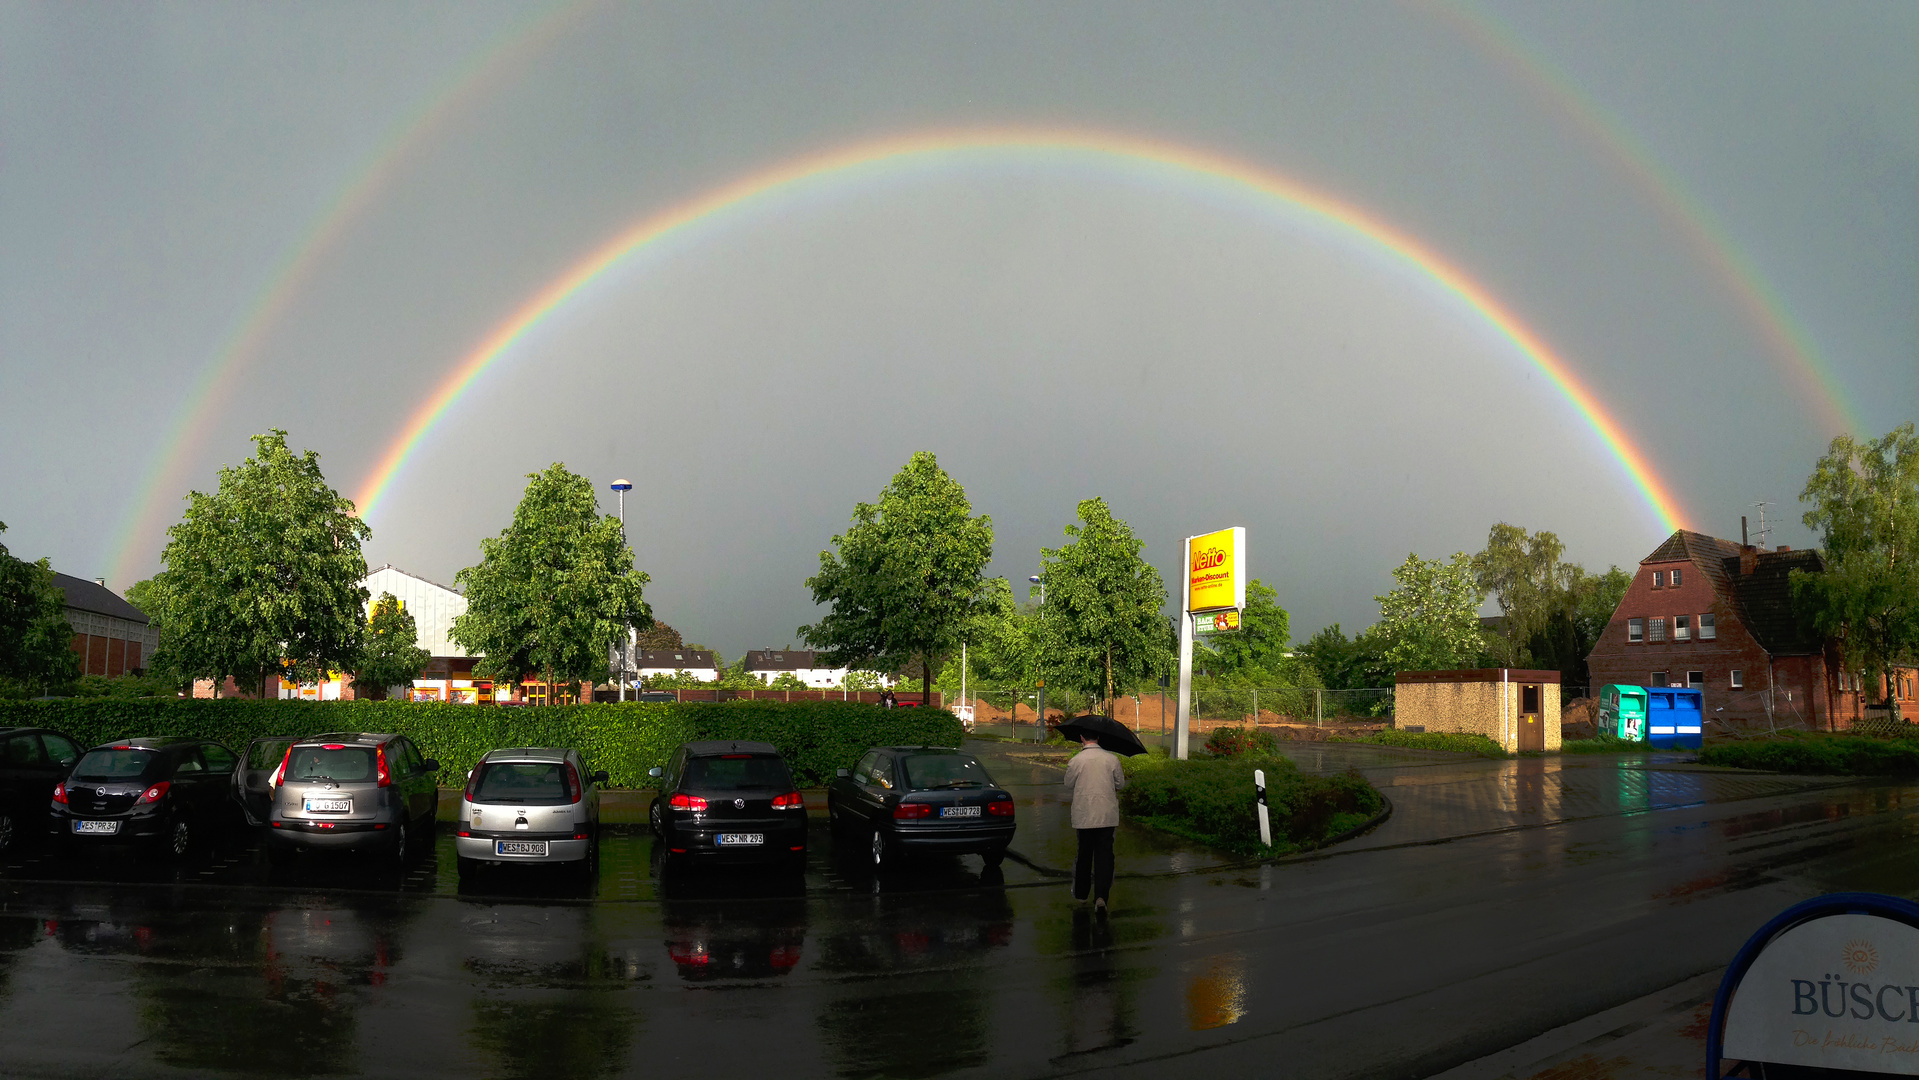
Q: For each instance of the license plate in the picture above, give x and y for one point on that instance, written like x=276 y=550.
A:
x=519 y=847
x=741 y=839
x=96 y=828
x=959 y=811
x=329 y=806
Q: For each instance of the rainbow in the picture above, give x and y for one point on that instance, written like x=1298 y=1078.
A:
x=303 y=257
x=866 y=157
x=1789 y=343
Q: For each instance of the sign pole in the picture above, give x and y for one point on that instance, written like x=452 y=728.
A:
x=1182 y=715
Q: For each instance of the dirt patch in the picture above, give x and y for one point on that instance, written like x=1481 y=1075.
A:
x=1579 y=719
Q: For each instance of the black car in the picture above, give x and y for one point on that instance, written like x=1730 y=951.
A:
x=731 y=801
x=166 y=793
x=32 y=760
x=900 y=799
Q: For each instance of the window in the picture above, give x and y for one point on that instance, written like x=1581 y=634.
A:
x=1707 y=631
x=1738 y=679
x=1658 y=679
x=1657 y=631
x=1696 y=679
x=59 y=748
x=218 y=758
x=1682 y=628
x=1635 y=630
x=22 y=751
x=1658 y=579
x=1675 y=579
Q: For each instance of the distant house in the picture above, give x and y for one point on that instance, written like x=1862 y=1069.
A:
x=1717 y=616
x=448 y=675
x=804 y=664
x=658 y=663
x=112 y=636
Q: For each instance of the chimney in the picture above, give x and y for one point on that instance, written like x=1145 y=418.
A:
x=1783 y=548
x=100 y=581
x=1743 y=542
x=1748 y=560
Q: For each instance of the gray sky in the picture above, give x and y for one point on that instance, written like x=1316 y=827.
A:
x=1653 y=189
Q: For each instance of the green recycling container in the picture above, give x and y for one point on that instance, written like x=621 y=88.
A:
x=1622 y=711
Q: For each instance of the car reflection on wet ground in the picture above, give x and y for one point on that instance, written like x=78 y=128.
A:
x=1491 y=906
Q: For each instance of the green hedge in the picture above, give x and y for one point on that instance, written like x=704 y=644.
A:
x=1212 y=801
x=1840 y=755
x=1452 y=742
x=626 y=740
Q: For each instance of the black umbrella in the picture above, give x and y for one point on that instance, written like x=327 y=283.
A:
x=1112 y=734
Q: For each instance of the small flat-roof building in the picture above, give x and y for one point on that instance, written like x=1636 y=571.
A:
x=1516 y=708
x=112 y=636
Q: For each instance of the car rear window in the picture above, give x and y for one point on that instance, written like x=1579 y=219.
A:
x=267 y=753
x=531 y=783
x=737 y=772
x=944 y=771
x=343 y=763
x=115 y=765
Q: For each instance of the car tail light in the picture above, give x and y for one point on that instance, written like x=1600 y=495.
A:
x=1001 y=807
x=574 y=791
x=472 y=782
x=60 y=793
x=156 y=792
x=792 y=800
x=906 y=811
x=280 y=774
x=684 y=801
x=579 y=836
x=333 y=746
x=380 y=768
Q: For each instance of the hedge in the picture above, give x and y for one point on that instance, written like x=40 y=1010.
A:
x=1449 y=741
x=625 y=739
x=1212 y=801
x=1841 y=755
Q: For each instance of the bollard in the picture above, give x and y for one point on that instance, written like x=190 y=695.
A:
x=1265 y=822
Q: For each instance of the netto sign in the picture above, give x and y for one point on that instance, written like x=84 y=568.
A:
x=1214 y=579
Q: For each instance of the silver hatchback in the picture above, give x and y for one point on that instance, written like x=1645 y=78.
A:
x=528 y=805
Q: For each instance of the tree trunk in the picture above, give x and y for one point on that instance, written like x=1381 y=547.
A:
x=1109 y=682
x=926 y=680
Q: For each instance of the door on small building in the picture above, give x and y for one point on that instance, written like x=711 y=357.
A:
x=1532 y=731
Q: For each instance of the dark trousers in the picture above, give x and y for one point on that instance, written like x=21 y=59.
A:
x=1094 y=867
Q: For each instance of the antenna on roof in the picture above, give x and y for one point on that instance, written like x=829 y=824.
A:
x=1763 y=527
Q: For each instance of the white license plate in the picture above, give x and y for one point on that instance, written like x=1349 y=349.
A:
x=96 y=828
x=959 y=811
x=329 y=806
x=519 y=847
x=741 y=839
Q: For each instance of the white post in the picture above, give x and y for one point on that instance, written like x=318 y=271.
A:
x=1182 y=717
x=1505 y=677
x=1265 y=820
x=962 y=673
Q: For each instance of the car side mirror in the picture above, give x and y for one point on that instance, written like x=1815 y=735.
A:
x=656 y=772
x=432 y=765
x=842 y=773
x=600 y=777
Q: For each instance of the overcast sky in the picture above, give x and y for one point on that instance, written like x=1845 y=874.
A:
x=1654 y=189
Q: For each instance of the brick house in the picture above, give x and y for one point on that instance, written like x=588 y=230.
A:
x=1718 y=617
x=112 y=636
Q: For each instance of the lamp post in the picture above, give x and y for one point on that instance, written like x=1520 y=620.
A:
x=623 y=485
x=1040 y=710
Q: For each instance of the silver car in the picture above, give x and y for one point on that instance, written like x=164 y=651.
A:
x=528 y=805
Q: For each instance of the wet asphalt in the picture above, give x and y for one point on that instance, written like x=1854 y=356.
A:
x=1500 y=899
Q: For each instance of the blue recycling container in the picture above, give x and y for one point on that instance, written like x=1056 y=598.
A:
x=1673 y=718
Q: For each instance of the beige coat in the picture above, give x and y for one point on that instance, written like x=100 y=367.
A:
x=1093 y=780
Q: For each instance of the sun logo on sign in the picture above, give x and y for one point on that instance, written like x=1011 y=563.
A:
x=1860 y=957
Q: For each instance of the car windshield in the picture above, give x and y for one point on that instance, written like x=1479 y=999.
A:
x=115 y=764
x=737 y=772
x=535 y=783
x=944 y=771
x=330 y=763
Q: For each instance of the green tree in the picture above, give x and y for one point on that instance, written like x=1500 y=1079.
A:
x=555 y=589
x=1554 y=610
x=1102 y=629
x=1259 y=647
x=36 y=642
x=786 y=680
x=857 y=681
x=908 y=576
x=263 y=575
x=391 y=653
x=1431 y=621
x=1865 y=498
x=657 y=636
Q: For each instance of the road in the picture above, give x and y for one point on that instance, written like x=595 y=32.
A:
x=1501 y=899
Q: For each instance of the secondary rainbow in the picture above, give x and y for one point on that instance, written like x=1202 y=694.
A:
x=868 y=155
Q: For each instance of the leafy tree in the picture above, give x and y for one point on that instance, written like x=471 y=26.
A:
x=786 y=680
x=555 y=589
x=856 y=681
x=908 y=576
x=679 y=680
x=36 y=642
x=1259 y=647
x=1431 y=621
x=1554 y=610
x=1865 y=498
x=1342 y=664
x=263 y=575
x=1102 y=629
x=391 y=654
x=657 y=636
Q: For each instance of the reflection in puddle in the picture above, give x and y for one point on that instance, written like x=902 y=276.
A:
x=1217 y=997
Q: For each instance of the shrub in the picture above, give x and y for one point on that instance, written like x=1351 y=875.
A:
x=625 y=739
x=1604 y=744
x=1234 y=741
x=1451 y=741
x=1213 y=801
x=1842 y=755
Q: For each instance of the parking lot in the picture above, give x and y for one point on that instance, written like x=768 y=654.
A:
x=1599 y=881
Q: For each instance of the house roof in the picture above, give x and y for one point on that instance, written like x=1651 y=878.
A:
x=780 y=659
x=673 y=658
x=1765 y=600
x=84 y=595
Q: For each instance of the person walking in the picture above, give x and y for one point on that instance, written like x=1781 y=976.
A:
x=1093 y=780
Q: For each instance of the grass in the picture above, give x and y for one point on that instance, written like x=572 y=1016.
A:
x=1817 y=754
x=1605 y=744
x=1450 y=741
x=1212 y=801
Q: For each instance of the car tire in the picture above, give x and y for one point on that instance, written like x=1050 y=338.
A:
x=467 y=869
x=882 y=850
x=401 y=850
x=178 y=840
x=995 y=856
x=9 y=833
x=654 y=822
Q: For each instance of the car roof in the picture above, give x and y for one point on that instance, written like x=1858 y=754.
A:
x=925 y=750
x=728 y=746
x=150 y=742
x=361 y=738
x=526 y=753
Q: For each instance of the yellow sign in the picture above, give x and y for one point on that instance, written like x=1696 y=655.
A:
x=1214 y=580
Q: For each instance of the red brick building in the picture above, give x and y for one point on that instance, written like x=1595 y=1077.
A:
x=1713 y=615
x=112 y=636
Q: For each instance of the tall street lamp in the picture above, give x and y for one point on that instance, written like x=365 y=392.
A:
x=623 y=486
x=1040 y=736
